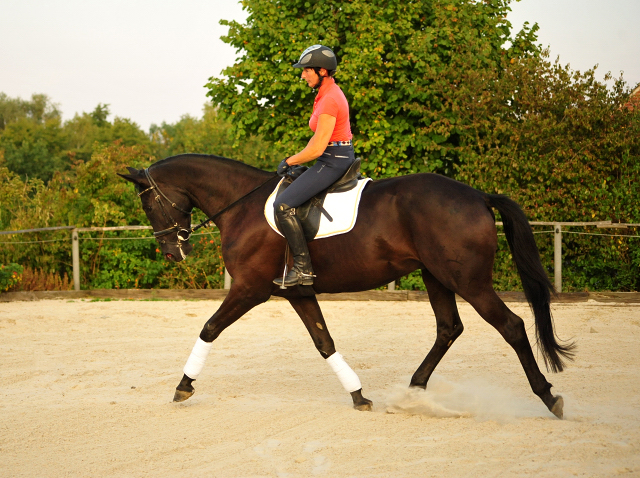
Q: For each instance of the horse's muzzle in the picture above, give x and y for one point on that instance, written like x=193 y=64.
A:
x=177 y=252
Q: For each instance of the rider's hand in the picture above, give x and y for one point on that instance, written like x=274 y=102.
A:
x=283 y=167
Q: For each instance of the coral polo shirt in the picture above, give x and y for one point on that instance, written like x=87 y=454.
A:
x=331 y=101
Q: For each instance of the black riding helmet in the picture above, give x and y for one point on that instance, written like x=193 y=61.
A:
x=318 y=56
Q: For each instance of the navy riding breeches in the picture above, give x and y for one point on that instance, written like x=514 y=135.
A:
x=329 y=167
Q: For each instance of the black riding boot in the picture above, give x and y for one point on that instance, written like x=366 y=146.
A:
x=290 y=226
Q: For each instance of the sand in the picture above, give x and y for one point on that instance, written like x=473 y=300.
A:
x=87 y=386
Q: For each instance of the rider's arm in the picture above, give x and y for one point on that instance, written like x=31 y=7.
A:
x=318 y=142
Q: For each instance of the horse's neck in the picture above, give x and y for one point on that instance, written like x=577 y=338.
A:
x=213 y=183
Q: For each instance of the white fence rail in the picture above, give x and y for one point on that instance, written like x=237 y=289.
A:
x=557 y=244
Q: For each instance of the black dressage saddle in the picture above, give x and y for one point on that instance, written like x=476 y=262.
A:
x=311 y=211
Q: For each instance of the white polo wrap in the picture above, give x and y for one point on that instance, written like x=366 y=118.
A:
x=347 y=377
x=197 y=358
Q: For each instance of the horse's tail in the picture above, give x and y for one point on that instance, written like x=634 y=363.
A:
x=535 y=282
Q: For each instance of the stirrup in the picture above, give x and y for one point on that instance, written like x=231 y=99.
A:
x=294 y=277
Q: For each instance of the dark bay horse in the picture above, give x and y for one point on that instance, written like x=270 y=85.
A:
x=422 y=221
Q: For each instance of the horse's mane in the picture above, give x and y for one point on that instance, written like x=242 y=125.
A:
x=209 y=157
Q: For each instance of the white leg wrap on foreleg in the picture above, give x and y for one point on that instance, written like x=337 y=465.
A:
x=197 y=358
x=347 y=377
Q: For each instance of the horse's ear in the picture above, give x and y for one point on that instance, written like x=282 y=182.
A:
x=136 y=176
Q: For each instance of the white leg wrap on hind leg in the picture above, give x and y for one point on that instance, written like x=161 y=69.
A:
x=347 y=377
x=198 y=357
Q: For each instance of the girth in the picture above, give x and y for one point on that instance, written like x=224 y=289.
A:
x=310 y=212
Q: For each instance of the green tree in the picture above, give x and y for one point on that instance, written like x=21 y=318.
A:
x=38 y=110
x=567 y=148
x=36 y=143
x=34 y=150
x=395 y=68
x=88 y=132
x=32 y=139
x=207 y=135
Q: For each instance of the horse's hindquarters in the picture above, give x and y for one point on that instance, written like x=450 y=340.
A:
x=405 y=224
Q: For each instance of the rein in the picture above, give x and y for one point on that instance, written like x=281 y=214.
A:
x=184 y=234
x=211 y=218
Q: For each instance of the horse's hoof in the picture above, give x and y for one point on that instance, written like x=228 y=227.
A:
x=366 y=406
x=361 y=403
x=181 y=395
x=557 y=407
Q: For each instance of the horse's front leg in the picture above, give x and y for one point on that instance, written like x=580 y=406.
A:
x=237 y=303
x=311 y=315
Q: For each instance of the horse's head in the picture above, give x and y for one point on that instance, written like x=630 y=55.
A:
x=168 y=210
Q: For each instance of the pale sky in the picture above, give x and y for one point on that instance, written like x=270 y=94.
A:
x=149 y=59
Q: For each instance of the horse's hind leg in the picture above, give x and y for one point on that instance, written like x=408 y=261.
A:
x=492 y=309
x=449 y=327
x=311 y=315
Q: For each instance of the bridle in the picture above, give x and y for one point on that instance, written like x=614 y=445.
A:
x=183 y=234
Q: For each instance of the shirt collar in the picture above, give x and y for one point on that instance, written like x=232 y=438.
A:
x=327 y=83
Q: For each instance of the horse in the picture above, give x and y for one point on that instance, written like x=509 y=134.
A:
x=419 y=221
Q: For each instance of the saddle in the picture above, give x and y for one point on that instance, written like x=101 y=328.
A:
x=310 y=212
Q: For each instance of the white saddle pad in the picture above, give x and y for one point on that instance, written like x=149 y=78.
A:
x=342 y=207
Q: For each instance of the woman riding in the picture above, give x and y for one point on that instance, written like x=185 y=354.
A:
x=330 y=145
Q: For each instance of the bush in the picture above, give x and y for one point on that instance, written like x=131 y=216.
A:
x=10 y=276
x=34 y=279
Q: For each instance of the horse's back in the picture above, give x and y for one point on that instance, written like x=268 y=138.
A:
x=407 y=223
x=431 y=197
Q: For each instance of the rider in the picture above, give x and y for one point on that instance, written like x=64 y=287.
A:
x=330 y=145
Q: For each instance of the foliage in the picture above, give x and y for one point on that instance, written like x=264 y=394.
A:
x=9 y=276
x=91 y=194
x=207 y=135
x=34 y=279
x=99 y=196
x=39 y=110
x=566 y=148
x=35 y=143
x=88 y=131
x=394 y=59
x=203 y=270
x=34 y=150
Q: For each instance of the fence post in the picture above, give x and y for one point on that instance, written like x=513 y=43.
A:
x=391 y=285
x=557 y=256
x=227 y=279
x=75 y=255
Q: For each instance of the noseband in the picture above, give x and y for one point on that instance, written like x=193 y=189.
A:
x=183 y=234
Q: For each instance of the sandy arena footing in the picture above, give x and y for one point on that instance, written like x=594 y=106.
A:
x=86 y=390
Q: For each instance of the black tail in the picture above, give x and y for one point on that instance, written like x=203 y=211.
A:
x=535 y=282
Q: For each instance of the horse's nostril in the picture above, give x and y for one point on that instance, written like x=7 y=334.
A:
x=168 y=256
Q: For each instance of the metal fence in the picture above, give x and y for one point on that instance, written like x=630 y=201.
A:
x=557 y=243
